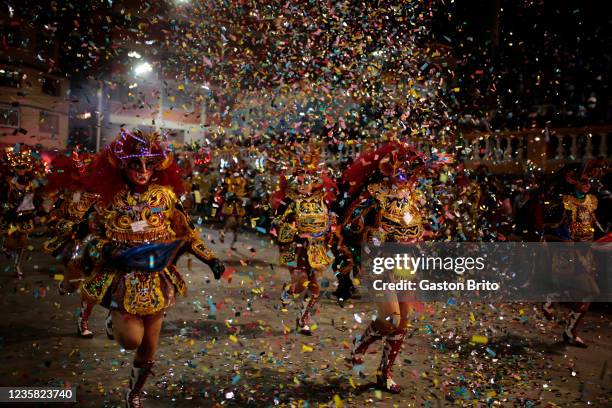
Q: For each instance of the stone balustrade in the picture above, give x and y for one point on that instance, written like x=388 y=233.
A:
x=536 y=149
x=507 y=152
x=516 y=152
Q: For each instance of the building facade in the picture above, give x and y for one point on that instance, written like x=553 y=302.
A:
x=34 y=105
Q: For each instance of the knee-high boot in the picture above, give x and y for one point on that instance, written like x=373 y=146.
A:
x=570 y=334
x=83 y=320
x=361 y=343
x=393 y=345
x=303 y=322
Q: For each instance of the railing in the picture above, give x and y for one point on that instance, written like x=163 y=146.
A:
x=516 y=152
x=506 y=152
x=536 y=149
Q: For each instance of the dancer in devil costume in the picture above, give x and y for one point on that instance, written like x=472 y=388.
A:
x=387 y=208
x=578 y=224
x=305 y=229
x=20 y=202
x=137 y=238
x=233 y=193
x=69 y=225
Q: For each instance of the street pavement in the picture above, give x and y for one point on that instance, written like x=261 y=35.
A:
x=229 y=343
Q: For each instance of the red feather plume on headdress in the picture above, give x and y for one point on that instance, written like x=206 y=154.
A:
x=382 y=161
x=65 y=172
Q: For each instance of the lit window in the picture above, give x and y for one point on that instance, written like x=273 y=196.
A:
x=48 y=123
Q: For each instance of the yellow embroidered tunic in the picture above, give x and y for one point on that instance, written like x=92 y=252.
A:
x=582 y=219
x=382 y=213
x=132 y=220
x=398 y=218
x=304 y=228
x=235 y=190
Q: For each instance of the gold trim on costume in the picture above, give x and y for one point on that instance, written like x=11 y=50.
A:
x=177 y=280
x=201 y=251
x=137 y=218
x=311 y=214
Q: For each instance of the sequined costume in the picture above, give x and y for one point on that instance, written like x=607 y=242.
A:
x=132 y=220
x=374 y=210
x=578 y=224
x=305 y=228
x=20 y=202
x=581 y=220
x=384 y=205
x=234 y=197
x=70 y=202
x=234 y=187
x=137 y=235
x=68 y=225
x=397 y=217
x=204 y=183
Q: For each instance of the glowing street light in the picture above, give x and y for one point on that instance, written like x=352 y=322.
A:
x=143 y=68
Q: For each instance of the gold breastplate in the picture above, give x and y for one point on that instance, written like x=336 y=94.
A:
x=311 y=214
x=138 y=218
x=237 y=186
x=582 y=216
x=399 y=218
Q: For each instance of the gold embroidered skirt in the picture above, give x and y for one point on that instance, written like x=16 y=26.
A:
x=309 y=254
x=137 y=293
x=234 y=207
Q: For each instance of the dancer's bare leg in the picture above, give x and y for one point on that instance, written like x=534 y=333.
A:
x=140 y=333
x=152 y=325
x=128 y=329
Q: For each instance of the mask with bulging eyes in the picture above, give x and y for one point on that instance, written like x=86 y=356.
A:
x=140 y=170
x=582 y=183
x=306 y=184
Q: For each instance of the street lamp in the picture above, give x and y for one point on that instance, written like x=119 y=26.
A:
x=143 y=68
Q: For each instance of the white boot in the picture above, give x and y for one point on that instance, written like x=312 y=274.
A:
x=108 y=325
x=570 y=335
x=138 y=377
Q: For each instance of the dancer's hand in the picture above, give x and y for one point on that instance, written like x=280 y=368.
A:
x=217 y=267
